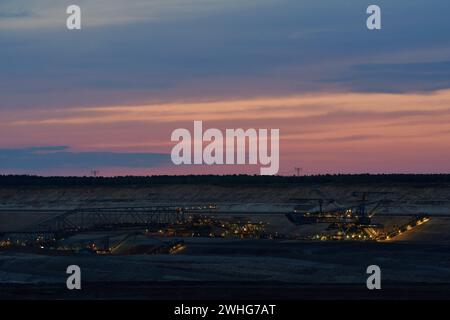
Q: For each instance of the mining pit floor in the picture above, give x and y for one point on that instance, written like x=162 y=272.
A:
x=414 y=265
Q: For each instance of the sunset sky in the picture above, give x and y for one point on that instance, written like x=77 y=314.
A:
x=107 y=97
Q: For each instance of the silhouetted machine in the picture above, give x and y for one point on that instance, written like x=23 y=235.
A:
x=357 y=215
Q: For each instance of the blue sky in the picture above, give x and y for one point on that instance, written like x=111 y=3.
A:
x=156 y=50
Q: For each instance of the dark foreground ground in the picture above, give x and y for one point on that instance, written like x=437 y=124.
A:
x=187 y=291
x=238 y=269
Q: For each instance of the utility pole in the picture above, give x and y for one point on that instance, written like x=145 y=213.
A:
x=95 y=173
x=298 y=170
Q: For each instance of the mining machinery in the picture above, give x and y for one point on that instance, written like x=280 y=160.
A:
x=350 y=221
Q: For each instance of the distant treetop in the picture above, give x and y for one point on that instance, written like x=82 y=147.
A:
x=29 y=180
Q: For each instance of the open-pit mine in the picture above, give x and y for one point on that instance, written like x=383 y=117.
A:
x=225 y=237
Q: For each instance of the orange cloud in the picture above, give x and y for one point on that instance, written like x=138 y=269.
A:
x=330 y=132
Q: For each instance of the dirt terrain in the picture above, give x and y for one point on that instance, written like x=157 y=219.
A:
x=420 y=258
x=431 y=197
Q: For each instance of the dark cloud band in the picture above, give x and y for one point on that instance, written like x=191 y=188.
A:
x=59 y=157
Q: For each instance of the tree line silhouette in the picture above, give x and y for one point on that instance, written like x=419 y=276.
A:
x=31 y=180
